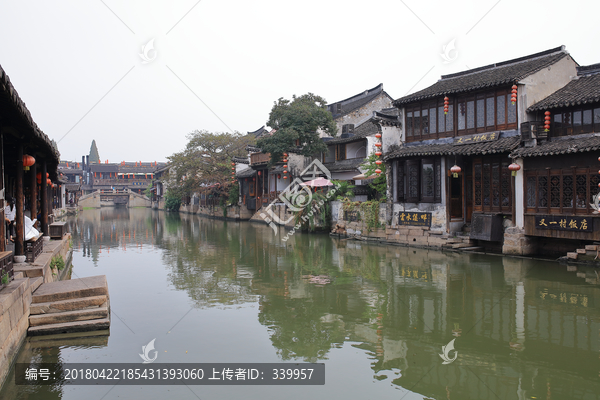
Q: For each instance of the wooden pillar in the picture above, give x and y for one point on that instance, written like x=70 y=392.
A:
x=33 y=185
x=2 y=201
x=44 y=200
x=19 y=249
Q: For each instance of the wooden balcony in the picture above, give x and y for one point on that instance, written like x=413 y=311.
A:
x=259 y=158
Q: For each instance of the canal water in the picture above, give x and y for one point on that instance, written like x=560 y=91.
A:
x=211 y=291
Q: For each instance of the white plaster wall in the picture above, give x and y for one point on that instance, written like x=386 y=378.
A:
x=390 y=136
x=354 y=149
x=358 y=115
x=519 y=219
x=543 y=83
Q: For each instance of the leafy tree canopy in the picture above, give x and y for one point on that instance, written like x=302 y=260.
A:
x=298 y=120
x=379 y=184
x=206 y=160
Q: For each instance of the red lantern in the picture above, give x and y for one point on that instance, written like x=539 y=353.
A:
x=39 y=178
x=232 y=173
x=278 y=176
x=513 y=95
x=378 y=135
x=514 y=167
x=48 y=181
x=259 y=173
x=378 y=153
x=233 y=164
x=455 y=171
x=378 y=144
x=378 y=162
x=47 y=174
x=285 y=177
x=377 y=171
x=28 y=161
x=446 y=104
x=285 y=155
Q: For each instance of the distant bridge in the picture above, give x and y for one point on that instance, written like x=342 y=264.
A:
x=114 y=198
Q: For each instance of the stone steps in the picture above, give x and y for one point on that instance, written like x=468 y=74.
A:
x=68 y=327
x=67 y=305
x=68 y=316
x=76 y=305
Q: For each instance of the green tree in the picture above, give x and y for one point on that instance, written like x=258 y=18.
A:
x=206 y=161
x=379 y=184
x=298 y=121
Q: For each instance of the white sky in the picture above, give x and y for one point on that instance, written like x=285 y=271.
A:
x=76 y=63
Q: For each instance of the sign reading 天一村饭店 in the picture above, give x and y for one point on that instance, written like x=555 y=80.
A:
x=564 y=223
x=477 y=138
x=414 y=218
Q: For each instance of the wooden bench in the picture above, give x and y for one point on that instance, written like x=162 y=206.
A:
x=58 y=230
x=33 y=248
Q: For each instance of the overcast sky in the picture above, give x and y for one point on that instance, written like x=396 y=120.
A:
x=219 y=65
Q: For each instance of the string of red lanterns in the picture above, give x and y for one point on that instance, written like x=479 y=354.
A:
x=513 y=94
x=446 y=104
x=232 y=172
x=378 y=152
x=547 y=121
x=285 y=160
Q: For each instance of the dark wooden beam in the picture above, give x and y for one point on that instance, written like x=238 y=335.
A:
x=44 y=200
x=33 y=191
x=19 y=249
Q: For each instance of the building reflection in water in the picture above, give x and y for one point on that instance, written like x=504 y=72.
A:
x=523 y=328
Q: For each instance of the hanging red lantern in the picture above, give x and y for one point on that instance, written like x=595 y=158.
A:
x=232 y=173
x=377 y=171
x=285 y=155
x=259 y=173
x=39 y=177
x=48 y=181
x=378 y=135
x=28 y=161
x=378 y=144
x=285 y=177
x=514 y=167
x=378 y=162
x=446 y=104
x=285 y=166
x=547 y=121
x=233 y=164
x=378 y=153
x=278 y=176
x=513 y=94
x=455 y=171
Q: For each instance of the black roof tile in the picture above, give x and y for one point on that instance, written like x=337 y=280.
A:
x=501 y=145
x=352 y=103
x=560 y=145
x=584 y=89
x=345 y=165
x=503 y=73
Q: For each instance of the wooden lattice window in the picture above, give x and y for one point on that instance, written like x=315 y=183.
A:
x=418 y=181
x=491 y=185
x=561 y=191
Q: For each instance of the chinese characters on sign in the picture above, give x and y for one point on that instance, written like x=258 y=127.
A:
x=564 y=223
x=414 y=218
x=483 y=137
x=575 y=299
x=413 y=273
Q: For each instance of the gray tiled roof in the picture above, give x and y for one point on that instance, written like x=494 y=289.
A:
x=561 y=145
x=345 y=165
x=259 y=132
x=584 y=89
x=503 y=73
x=352 y=103
x=247 y=173
x=501 y=145
x=360 y=132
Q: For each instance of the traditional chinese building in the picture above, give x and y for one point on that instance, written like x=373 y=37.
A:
x=560 y=167
x=456 y=143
